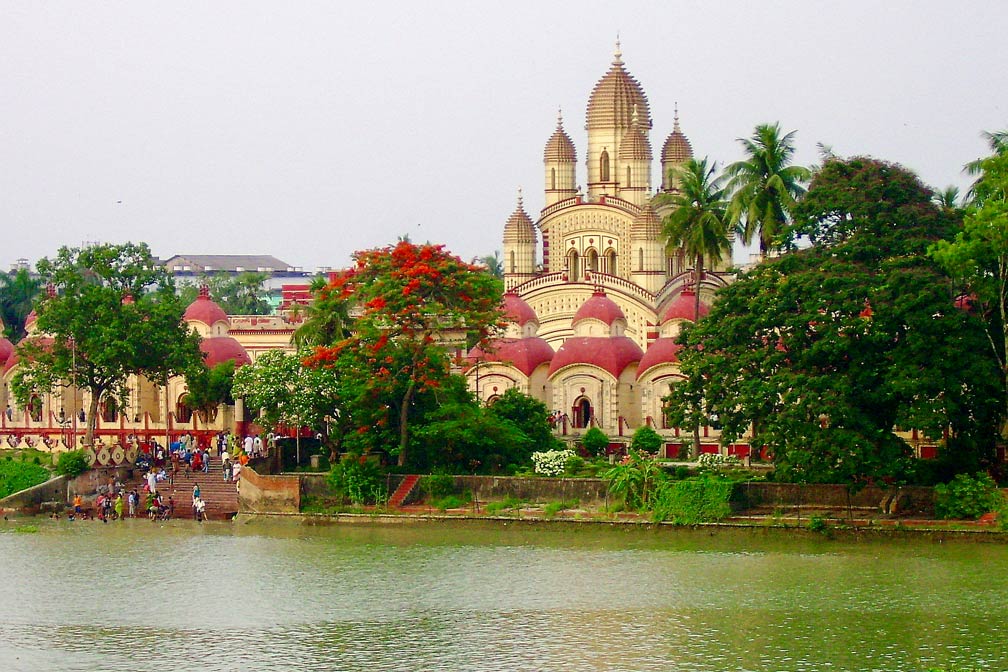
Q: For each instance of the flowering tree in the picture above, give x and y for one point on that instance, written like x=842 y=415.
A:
x=414 y=304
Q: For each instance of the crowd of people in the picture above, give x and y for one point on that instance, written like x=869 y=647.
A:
x=161 y=465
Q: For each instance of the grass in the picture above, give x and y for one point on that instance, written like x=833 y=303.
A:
x=553 y=508
x=509 y=503
x=451 y=502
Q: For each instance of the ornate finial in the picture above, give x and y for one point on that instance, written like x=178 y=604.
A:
x=520 y=206
x=675 y=122
x=204 y=291
x=50 y=290
x=618 y=54
x=559 y=117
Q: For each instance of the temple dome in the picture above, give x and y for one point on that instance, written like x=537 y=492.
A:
x=677 y=148
x=646 y=225
x=519 y=227
x=599 y=307
x=612 y=354
x=204 y=309
x=635 y=145
x=218 y=349
x=6 y=349
x=614 y=98
x=517 y=310
x=683 y=307
x=662 y=351
x=560 y=147
x=525 y=354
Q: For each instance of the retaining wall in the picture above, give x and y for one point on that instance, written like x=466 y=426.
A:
x=257 y=493
x=30 y=500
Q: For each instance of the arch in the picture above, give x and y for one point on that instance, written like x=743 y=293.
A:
x=582 y=413
x=34 y=409
x=591 y=260
x=492 y=399
x=108 y=410
x=182 y=412
x=640 y=259
x=512 y=261
x=553 y=178
x=610 y=261
x=604 y=166
x=628 y=176
x=573 y=266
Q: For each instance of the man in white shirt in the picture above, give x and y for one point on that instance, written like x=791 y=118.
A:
x=248 y=445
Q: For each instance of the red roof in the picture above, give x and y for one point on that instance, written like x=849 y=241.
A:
x=599 y=307
x=662 y=351
x=611 y=354
x=204 y=310
x=6 y=348
x=525 y=354
x=683 y=307
x=517 y=310
x=220 y=349
x=44 y=342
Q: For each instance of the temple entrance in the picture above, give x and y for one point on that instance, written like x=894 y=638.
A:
x=582 y=413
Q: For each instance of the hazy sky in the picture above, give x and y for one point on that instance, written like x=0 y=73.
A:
x=309 y=130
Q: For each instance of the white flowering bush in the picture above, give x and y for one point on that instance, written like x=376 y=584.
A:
x=717 y=461
x=551 y=462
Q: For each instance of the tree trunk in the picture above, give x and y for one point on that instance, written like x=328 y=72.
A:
x=403 y=419
x=92 y=419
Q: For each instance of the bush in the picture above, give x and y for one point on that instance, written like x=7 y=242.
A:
x=695 y=500
x=71 y=463
x=646 y=440
x=17 y=476
x=968 y=497
x=573 y=465
x=438 y=485
x=551 y=462
x=595 y=441
x=553 y=508
x=509 y=502
x=359 y=479
x=451 y=502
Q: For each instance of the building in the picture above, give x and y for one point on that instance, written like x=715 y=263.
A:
x=594 y=297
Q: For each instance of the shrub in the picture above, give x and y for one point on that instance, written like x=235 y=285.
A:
x=696 y=500
x=573 y=465
x=438 y=485
x=646 y=440
x=717 y=461
x=451 y=502
x=509 y=502
x=968 y=497
x=551 y=462
x=635 y=480
x=818 y=524
x=595 y=441
x=553 y=508
x=71 y=463
x=359 y=479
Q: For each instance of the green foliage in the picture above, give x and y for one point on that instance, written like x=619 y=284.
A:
x=635 y=481
x=573 y=465
x=824 y=351
x=18 y=292
x=26 y=529
x=507 y=504
x=72 y=463
x=358 y=479
x=968 y=497
x=530 y=415
x=114 y=313
x=208 y=388
x=438 y=485
x=16 y=476
x=695 y=500
x=553 y=508
x=242 y=294
x=595 y=441
x=818 y=524
x=646 y=440
x=452 y=502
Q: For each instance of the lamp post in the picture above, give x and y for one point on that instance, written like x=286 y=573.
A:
x=73 y=381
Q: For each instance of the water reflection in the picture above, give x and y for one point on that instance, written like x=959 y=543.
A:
x=478 y=597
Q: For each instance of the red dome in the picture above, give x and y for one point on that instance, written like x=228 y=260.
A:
x=683 y=307
x=222 y=349
x=612 y=354
x=517 y=310
x=525 y=354
x=204 y=310
x=662 y=351
x=44 y=342
x=6 y=348
x=599 y=307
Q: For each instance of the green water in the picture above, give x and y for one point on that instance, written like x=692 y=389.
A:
x=477 y=596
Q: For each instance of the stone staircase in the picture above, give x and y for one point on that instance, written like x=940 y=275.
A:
x=398 y=497
x=221 y=497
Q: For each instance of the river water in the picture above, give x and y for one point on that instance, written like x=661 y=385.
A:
x=261 y=595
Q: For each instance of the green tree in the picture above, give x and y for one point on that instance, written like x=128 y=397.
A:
x=114 y=313
x=824 y=351
x=530 y=415
x=765 y=186
x=17 y=296
x=697 y=224
x=327 y=316
x=493 y=263
x=416 y=303
x=464 y=436
x=595 y=441
x=241 y=294
x=208 y=388
x=646 y=440
x=978 y=260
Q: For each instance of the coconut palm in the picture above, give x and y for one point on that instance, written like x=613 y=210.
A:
x=765 y=186
x=947 y=198
x=327 y=317
x=998 y=143
x=17 y=294
x=697 y=222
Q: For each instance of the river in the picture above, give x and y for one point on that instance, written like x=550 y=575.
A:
x=265 y=595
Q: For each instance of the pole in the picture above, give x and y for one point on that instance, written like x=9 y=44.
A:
x=73 y=379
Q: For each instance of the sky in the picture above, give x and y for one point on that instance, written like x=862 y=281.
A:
x=310 y=130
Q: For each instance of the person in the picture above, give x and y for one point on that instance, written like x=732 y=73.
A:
x=206 y=461
x=195 y=491
x=77 y=504
x=226 y=466
x=249 y=443
x=119 y=507
x=151 y=482
x=9 y=412
x=257 y=446
x=199 y=509
x=236 y=468
x=131 y=501
x=197 y=462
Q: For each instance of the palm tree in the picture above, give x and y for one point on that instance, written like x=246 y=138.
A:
x=17 y=296
x=697 y=224
x=947 y=198
x=494 y=263
x=765 y=186
x=998 y=143
x=327 y=318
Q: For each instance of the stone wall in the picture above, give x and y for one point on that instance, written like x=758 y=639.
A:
x=30 y=500
x=268 y=494
x=908 y=499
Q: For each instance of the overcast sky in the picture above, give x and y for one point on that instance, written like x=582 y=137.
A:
x=309 y=130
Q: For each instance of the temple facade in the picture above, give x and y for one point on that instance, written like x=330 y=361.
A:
x=594 y=296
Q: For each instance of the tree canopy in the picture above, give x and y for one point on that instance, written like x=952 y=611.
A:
x=241 y=294
x=17 y=297
x=112 y=313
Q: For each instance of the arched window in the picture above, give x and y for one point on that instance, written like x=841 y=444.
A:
x=627 y=176
x=513 y=266
x=552 y=178
x=611 y=262
x=640 y=259
x=591 y=263
x=604 y=166
x=182 y=412
x=573 y=268
x=108 y=410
